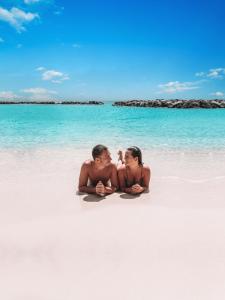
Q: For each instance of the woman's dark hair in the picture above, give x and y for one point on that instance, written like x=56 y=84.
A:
x=97 y=150
x=136 y=152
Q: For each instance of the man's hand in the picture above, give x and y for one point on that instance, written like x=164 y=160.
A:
x=137 y=189
x=100 y=189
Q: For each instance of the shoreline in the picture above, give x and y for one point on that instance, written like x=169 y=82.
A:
x=157 y=150
x=184 y=165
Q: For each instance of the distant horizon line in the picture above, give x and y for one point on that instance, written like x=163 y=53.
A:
x=7 y=101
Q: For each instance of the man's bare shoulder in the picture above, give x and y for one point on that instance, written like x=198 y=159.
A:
x=87 y=164
x=111 y=166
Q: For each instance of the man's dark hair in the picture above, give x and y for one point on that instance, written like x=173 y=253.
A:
x=136 y=152
x=97 y=150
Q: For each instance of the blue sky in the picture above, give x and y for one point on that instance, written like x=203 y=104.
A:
x=111 y=50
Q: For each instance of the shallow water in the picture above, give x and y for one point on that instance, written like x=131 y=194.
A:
x=35 y=126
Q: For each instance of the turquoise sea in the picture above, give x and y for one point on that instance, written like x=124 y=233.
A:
x=35 y=126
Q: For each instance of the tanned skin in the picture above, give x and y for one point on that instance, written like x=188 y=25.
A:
x=99 y=172
x=133 y=178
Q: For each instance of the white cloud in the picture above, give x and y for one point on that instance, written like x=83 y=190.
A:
x=40 y=69
x=8 y=95
x=53 y=75
x=39 y=93
x=76 y=46
x=31 y=1
x=176 y=86
x=38 y=90
x=17 y=18
x=217 y=73
x=218 y=94
x=200 y=74
x=59 y=11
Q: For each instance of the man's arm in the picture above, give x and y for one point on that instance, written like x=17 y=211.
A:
x=83 y=180
x=113 y=180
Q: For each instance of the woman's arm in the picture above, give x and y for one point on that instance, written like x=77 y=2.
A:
x=120 y=158
x=137 y=188
x=146 y=178
x=122 y=182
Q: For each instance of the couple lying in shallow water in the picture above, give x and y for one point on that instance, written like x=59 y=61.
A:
x=100 y=176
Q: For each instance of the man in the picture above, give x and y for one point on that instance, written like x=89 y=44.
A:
x=99 y=171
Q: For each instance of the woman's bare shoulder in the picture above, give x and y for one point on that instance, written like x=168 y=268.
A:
x=146 y=168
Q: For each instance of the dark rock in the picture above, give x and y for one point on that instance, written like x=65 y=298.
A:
x=82 y=103
x=54 y=102
x=174 y=103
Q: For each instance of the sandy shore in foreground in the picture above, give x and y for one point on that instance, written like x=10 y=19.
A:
x=55 y=244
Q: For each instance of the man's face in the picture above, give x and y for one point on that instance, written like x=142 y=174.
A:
x=105 y=158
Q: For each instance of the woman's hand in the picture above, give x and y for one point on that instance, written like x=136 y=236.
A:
x=137 y=189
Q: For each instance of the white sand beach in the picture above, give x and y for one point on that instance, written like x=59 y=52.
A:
x=58 y=245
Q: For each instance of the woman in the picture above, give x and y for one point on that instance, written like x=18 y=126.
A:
x=133 y=175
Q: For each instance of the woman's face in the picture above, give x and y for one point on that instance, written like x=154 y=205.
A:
x=129 y=159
